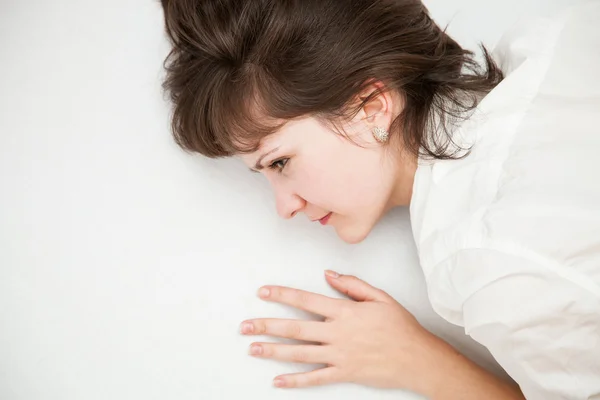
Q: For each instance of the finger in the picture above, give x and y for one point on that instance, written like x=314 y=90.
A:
x=292 y=353
x=309 y=331
x=307 y=301
x=317 y=377
x=355 y=288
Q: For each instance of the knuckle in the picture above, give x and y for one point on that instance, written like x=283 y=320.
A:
x=277 y=292
x=347 y=311
x=304 y=298
x=339 y=358
x=260 y=327
x=337 y=306
x=294 y=330
x=345 y=376
x=318 y=380
x=299 y=298
x=291 y=382
x=299 y=356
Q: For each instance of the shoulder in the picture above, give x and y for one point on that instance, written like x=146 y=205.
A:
x=531 y=178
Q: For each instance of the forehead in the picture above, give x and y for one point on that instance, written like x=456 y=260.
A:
x=290 y=133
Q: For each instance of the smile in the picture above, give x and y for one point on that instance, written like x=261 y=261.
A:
x=324 y=220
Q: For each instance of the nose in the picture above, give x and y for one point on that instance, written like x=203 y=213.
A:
x=289 y=204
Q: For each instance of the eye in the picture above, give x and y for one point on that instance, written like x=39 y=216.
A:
x=279 y=165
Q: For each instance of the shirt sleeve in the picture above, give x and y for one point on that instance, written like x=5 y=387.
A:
x=540 y=322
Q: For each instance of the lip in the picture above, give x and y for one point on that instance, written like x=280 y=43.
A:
x=324 y=220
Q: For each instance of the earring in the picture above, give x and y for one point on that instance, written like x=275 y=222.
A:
x=380 y=134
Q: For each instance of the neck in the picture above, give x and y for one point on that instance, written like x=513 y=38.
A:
x=403 y=187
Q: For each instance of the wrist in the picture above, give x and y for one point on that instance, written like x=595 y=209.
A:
x=452 y=376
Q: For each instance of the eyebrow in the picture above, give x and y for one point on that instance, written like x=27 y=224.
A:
x=258 y=166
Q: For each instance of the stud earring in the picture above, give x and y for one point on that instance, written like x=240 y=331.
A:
x=380 y=134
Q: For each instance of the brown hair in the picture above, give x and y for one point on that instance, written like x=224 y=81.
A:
x=238 y=68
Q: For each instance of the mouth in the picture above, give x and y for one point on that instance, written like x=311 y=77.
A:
x=324 y=220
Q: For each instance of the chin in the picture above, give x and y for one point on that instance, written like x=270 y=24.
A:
x=353 y=235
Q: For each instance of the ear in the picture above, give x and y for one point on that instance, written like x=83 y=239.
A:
x=381 y=106
x=375 y=106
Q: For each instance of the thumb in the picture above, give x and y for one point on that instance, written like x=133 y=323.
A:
x=355 y=288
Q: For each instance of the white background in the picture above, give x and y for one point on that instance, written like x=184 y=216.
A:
x=126 y=266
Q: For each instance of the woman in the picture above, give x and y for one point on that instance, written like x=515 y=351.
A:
x=352 y=108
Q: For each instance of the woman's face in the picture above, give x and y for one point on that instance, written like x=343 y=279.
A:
x=346 y=184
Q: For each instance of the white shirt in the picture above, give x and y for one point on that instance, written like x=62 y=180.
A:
x=509 y=237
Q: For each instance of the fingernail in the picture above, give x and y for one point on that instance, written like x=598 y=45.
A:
x=332 y=274
x=255 y=350
x=278 y=382
x=247 y=327
x=264 y=292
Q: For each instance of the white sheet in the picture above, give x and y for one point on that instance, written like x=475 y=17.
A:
x=126 y=266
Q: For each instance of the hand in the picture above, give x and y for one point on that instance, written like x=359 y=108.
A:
x=372 y=341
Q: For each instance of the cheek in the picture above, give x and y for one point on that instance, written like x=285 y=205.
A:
x=353 y=195
x=344 y=178
x=328 y=188
x=357 y=188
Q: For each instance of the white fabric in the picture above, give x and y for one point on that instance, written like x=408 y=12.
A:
x=509 y=237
